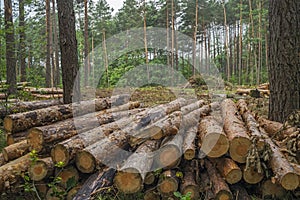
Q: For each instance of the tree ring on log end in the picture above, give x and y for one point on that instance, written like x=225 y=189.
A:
x=169 y=156
x=239 y=148
x=224 y=195
x=38 y=171
x=215 y=145
x=290 y=181
x=129 y=181
x=35 y=140
x=85 y=162
x=252 y=176
x=60 y=154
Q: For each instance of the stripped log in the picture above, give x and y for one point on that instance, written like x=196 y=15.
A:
x=41 y=169
x=21 y=106
x=22 y=121
x=168 y=183
x=16 y=150
x=15 y=137
x=236 y=131
x=272 y=189
x=130 y=177
x=48 y=135
x=108 y=151
x=67 y=174
x=10 y=173
x=212 y=139
x=95 y=183
x=169 y=154
x=66 y=150
x=188 y=146
x=228 y=169
x=219 y=186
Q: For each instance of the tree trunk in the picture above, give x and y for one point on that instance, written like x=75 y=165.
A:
x=56 y=73
x=86 y=45
x=188 y=146
x=188 y=183
x=49 y=48
x=252 y=176
x=212 y=139
x=219 y=186
x=66 y=150
x=236 y=131
x=15 y=137
x=22 y=40
x=11 y=73
x=284 y=57
x=16 y=150
x=168 y=183
x=68 y=48
x=2 y=160
x=41 y=169
x=129 y=179
x=273 y=190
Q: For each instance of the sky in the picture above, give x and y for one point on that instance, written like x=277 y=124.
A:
x=115 y=4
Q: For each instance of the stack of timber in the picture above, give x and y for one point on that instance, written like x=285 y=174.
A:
x=207 y=150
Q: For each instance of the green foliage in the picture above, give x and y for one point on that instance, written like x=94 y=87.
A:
x=187 y=196
x=36 y=76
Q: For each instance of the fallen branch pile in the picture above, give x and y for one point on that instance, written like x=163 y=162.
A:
x=216 y=150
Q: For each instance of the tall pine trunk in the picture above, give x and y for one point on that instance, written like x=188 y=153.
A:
x=48 y=36
x=22 y=40
x=56 y=72
x=86 y=45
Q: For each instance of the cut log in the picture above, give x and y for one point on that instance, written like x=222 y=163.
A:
x=44 y=90
x=169 y=154
x=188 y=183
x=284 y=172
x=168 y=183
x=72 y=193
x=41 y=169
x=149 y=178
x=10 y=173
x=248 y=92
x=42 y=188
x=219 y=186
x=51 y=134
x=16 y=150
x=95 y=183
x=252 y=176
x=151 y=194
x=27 y=106
x=47 y=96
x=273 y=190
x=56 y=193
x=129 y=179
x=2 y=160
x=188 y=146
x=16 y=137
x=240 y=193
x=228 y=169
x=68 y=174
x=205 y=186
x=212 y=139
x=110 y=151
x=22 y=121
x=235 y=131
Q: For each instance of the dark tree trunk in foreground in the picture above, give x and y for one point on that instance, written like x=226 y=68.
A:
x=22 y=40
x=284 y=58
x=49 y=48
x=11 y=73
x=68 y=47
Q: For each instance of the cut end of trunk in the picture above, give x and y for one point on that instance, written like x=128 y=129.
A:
x=168 y=186
x=129 y=181
x=224 y=195
x=252 y=176
x=60 y=154
x=85 y=162
x=54 y=194
x=169 y=156
x=149 y=178
x=193 y=190
x=239 y=148
x=38 y=171
x=189 y=154
x=35 y=139
x=273 y=189
x=8 y=124
x=215 y=145
x=67 y=174
x=234 y=176
x=290 y=181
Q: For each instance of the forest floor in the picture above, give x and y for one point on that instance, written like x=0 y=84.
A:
x=151 y=96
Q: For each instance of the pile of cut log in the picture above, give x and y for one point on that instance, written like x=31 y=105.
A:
x=216 y=150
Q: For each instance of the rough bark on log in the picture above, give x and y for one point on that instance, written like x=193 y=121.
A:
x=41 y=169
x=273 y=190
x=284 y=172
x=2 y=160
x=220 y=187
x=16 y=150
x=60 y=131
x=188 y=146
x=22 y=121
x=228 y=169
x=188 y=183
x=27 y=106
x=252 y=176
x=11 y=172
x=55 y=194
x=235 y=131
x=169 y=154
x=108 y=151
x=15 y=137
x=66 y=150
x=168 y=183
x=205 y=186
x=94 y=184
x=69 y=173
x=212 y=139
x=130 y=177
